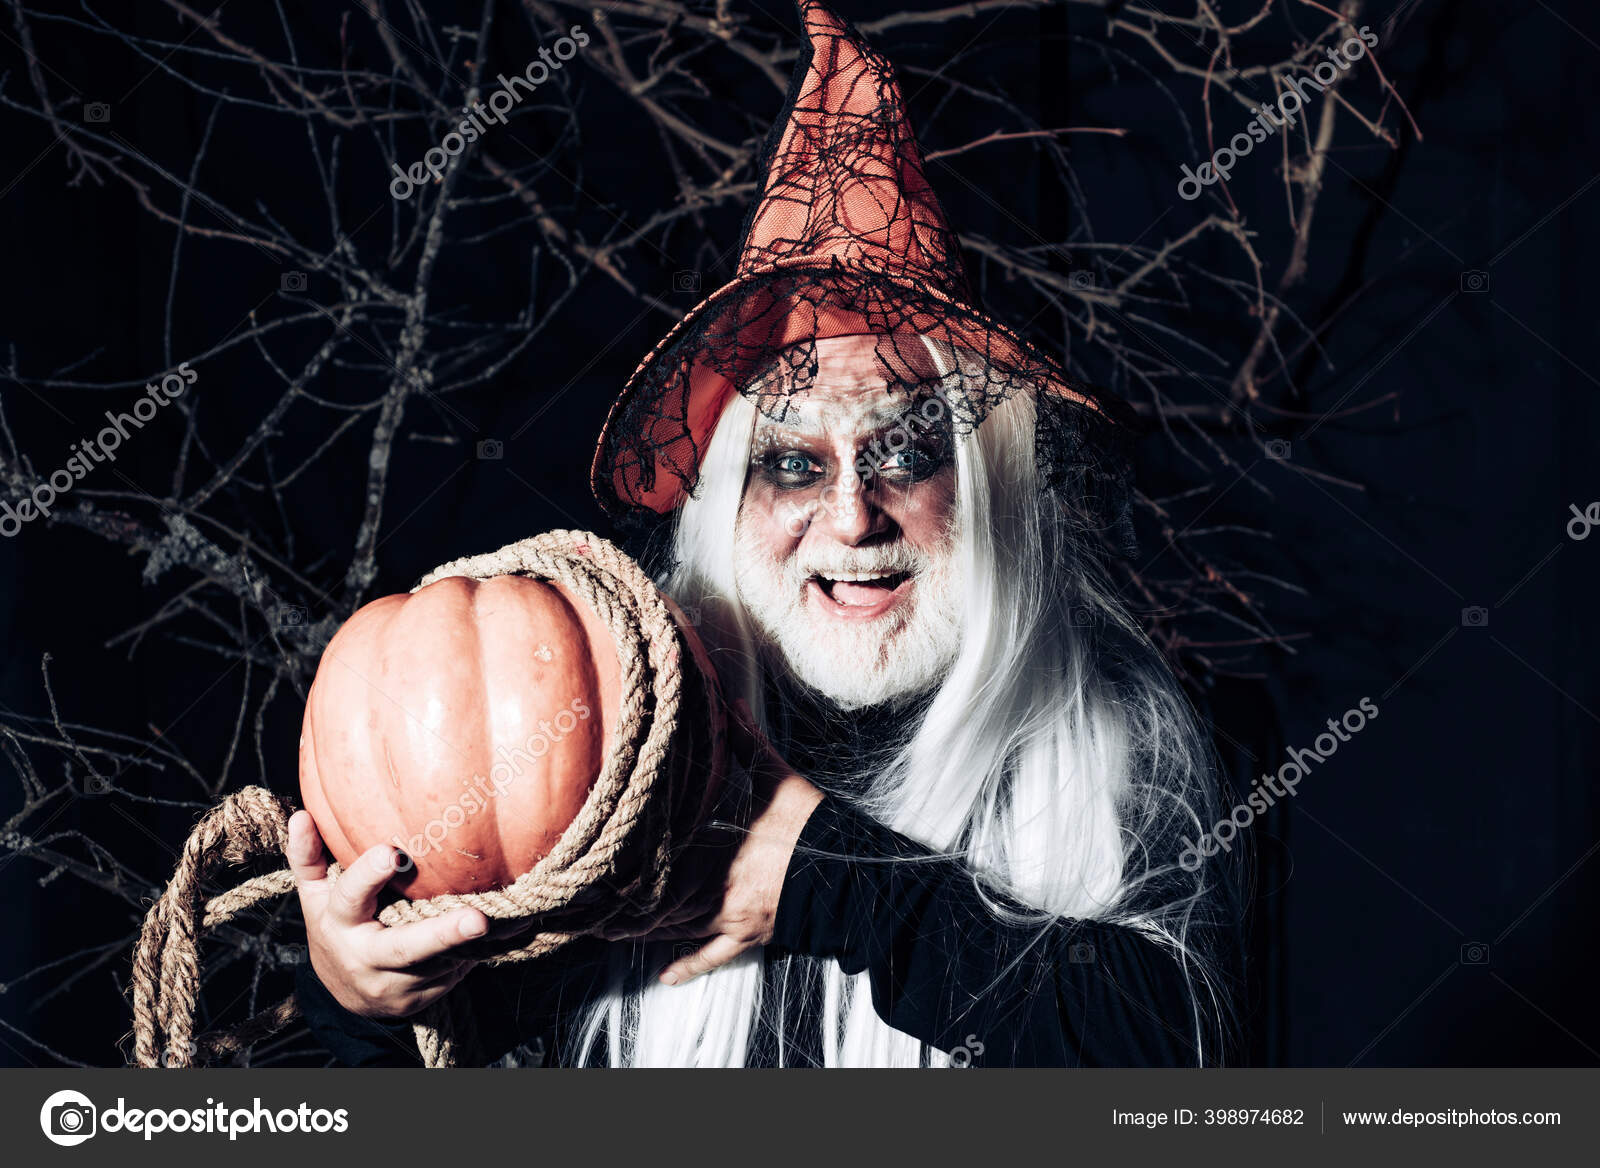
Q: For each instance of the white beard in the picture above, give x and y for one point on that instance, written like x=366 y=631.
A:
x=856 y=663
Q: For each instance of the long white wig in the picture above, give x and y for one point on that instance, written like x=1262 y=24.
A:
x=1058 y=759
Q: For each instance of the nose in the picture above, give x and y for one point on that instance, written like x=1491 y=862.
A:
x=850 y=512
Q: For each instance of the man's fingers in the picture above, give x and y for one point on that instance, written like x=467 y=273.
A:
x=718 y=951
x=307 y=861
x=354 y=899
x=405 y=946
x=422 y=994
x=437 y=973
x=439 y=969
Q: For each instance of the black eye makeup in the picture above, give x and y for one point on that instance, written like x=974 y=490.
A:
x=910 y=464
x=886 y=455
x=787 y=468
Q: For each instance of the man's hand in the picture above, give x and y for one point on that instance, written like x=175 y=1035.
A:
x=370 y=969
x=744 y=908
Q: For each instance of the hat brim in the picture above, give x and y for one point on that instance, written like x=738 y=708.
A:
x=659 y=463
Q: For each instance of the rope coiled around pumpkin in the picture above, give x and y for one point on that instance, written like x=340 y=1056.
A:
x=611 y=863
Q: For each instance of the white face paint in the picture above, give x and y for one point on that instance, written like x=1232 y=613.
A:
x=844 y=550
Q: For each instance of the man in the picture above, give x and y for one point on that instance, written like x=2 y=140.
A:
x=973 y=772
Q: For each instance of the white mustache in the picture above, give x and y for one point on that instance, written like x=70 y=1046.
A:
x=892 y=567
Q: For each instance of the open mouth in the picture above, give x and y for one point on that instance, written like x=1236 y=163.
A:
x=860 y=594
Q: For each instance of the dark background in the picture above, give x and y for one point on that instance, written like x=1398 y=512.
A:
x=1460 y=825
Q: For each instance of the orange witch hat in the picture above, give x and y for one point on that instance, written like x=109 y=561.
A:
x=846 y=237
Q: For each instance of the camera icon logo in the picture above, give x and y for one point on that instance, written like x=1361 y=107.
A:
x=1474 y=281
x=1081 y=280
x=1080 y=953
x=1475 y=617
x=67 y=1118
x=290 y=955
x=1277 y=448
x=292 y=282
x=97 y=112
x=95 y=785
x=281 y=614
x=1475 y=953
x=686 y=281
x=491 y=448
x=1081 y=616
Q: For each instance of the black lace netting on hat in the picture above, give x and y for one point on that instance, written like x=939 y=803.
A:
x=846 y=237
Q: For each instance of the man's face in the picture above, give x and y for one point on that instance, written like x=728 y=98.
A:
x=845 y=538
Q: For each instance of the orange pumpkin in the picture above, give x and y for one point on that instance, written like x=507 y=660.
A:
x=464 y=723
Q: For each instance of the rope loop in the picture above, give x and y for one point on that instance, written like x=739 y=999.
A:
x=611 y=864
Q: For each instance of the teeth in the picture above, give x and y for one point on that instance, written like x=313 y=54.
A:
x=858 y=577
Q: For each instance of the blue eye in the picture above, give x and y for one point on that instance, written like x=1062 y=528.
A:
x=911 y=463
x=914 y=463
x=787 y=469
